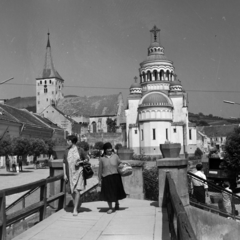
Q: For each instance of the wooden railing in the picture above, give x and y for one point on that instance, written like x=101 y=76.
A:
x=179 y=224
x=41 y=206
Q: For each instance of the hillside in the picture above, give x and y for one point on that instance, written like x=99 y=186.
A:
x=100 y=105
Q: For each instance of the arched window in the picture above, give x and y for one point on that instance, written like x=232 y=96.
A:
x=45 y=82
x=161 y=75
x=168 y=75
x=149 y=76
x=155 y=74
x=144 y=76
x=94 y=127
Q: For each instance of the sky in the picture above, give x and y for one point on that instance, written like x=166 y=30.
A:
x=97 y=46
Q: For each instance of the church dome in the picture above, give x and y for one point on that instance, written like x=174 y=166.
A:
x=156 y=99
x=136 y=85
x=176 y=86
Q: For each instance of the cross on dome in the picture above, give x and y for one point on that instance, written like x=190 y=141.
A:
x=155 y=30
x=135 y=78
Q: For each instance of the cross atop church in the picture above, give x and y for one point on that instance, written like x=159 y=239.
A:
x=135 y=78
x=155 y=30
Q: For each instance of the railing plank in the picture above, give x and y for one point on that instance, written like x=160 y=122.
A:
x=3 y=216
x=16 y=216
x=23 y=188
x=53 y=179
x=184 y=228
x=55 y=197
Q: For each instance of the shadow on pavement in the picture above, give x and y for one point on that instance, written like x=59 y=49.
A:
x=154 y=204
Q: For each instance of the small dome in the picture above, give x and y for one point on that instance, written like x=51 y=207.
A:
x=176 y=83
x=155 y=44
x=136 y=85
x=156 y=98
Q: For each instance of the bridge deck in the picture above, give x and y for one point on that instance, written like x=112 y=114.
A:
x=136 y=220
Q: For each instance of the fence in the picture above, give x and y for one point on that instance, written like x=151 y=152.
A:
x=39 y=206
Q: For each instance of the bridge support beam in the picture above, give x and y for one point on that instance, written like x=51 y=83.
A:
x=177 y=167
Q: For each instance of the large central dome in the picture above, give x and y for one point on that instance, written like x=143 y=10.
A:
x=156 y=99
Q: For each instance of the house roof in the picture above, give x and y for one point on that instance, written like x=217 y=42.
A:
x=217 y=130
x=47 y=122
x=107 y=105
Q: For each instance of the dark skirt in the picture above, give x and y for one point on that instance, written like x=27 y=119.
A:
x=112 y=188
x=199 y=193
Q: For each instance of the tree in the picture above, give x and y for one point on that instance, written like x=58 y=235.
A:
x=83 y=145
x=118 y=146
x=50 y=144
x=5 y=147
x=38 y=147
x=111 y=125
x=232 y=150
x=202 y=123
x=198 y=153
x=21 y=146
x=98 y=145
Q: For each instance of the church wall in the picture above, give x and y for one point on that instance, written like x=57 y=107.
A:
x=53 y=115
x=148 y=145
x=134 y=140
x=178 y=114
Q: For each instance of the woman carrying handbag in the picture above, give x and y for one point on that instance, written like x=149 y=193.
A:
x=73 y=161
x=110 y=180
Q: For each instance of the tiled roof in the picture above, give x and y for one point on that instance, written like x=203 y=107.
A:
x=217 y=131
x=90 y=106
x=22 y=116
x=47 y=121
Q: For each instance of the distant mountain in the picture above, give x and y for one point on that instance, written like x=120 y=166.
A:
x=101 y=105
x=28 y=103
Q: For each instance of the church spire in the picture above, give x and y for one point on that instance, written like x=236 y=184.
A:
x=48 y=69
x=48 y=42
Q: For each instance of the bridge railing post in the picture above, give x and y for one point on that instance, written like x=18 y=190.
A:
x=43 y=197
x=2 y=216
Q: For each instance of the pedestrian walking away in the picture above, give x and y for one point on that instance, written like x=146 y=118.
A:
x=198 y=187
x=73 y=160
x=109 y=179
x=227 y=198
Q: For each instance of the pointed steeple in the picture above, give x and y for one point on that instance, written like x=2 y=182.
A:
x=48 y=69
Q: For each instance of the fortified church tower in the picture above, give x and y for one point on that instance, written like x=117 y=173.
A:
x=49 y=86
x=157 y=109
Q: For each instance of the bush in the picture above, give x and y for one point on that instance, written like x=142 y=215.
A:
x=98 y=145
x=118 y=146
x=198 y=153
x=150 y=179
x=83 y=145
x=141 y=157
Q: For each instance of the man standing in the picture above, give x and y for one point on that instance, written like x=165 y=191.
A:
x=199 y=188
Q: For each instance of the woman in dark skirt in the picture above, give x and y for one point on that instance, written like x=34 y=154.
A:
x=109 y=178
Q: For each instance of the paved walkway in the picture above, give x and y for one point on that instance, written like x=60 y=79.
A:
x=136 y=220
x=30 y=174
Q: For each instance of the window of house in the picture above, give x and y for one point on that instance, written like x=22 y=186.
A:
x=47 y=99
x=142 y=134
x=40 y=82
x=52 y=111
x=166 y=134
x=135 y=131
x=38 y=102
x=190 y=134
x=38 y=93
x=52 y=92
x=50 y=81
x=45 y=89
x=174 y=130
x=154 y=134
x=45 y=82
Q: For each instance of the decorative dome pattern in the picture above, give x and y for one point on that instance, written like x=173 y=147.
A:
x=176 y=86
x=156 y=99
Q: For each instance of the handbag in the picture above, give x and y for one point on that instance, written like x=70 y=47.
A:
x=125 y=169
x=87 y=170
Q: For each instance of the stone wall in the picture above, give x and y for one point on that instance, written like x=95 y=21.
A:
x=113 y=138
x=207 y=225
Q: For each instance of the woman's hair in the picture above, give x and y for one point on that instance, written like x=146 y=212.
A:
x=106 y=146
x=72 y=138
x=226 y=184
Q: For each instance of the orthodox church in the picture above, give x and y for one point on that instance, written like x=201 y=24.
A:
x=157 y=107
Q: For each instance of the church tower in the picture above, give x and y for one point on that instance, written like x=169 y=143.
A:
x=49 y=86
